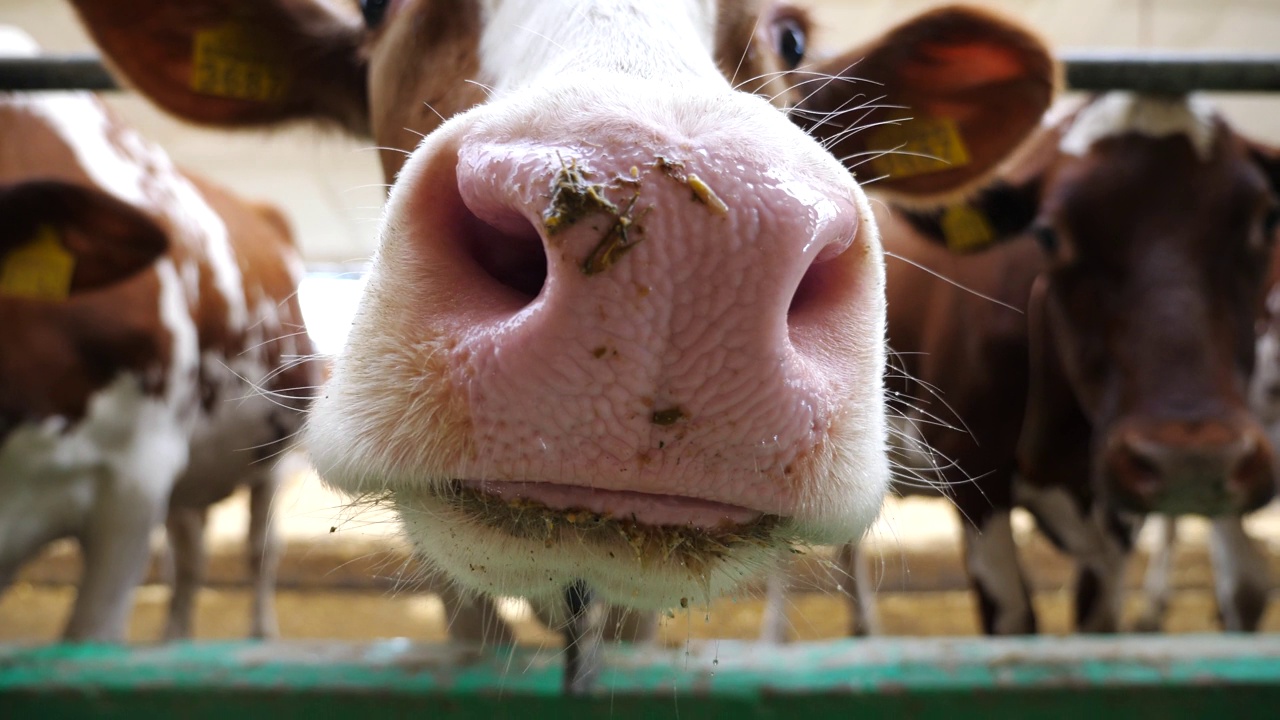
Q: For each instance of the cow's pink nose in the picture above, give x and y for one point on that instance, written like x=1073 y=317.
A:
x=625 y=311
x=570 y=218
x=1199 y=468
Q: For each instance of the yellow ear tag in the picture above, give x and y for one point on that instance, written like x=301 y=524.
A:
x=918 y=146
x=965 y=229
x=236 y=61
x=40 y=270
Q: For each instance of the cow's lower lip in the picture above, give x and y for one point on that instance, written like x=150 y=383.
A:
x=638 y=507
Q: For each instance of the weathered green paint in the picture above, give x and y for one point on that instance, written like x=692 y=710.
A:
x=1128 y=676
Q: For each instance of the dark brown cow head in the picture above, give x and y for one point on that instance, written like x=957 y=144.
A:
x=1157 y=222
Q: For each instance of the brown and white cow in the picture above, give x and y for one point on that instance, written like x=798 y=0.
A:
x=150 y=332
x=625 y=324
x=1096 y=367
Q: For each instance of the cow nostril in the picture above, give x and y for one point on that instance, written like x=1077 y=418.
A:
x=826 y=282
x=510 y=252
x=1136 y=469
x=1251 y=475
x=816 y=279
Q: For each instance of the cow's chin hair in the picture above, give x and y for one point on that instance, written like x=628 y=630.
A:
x=489 y=545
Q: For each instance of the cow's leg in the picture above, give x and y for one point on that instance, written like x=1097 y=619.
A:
x=263 y=556
x=992 y=560
x=1100 y=542
x=116 y=547
x=773 y=620
x=864 y=619
x=1240 y=575
x=582 y=658
x=1157 y=585
x=1100 y=589
x=185 y=527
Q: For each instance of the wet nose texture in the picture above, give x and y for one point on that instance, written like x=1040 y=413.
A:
x=621 y=310
x=1204 y=469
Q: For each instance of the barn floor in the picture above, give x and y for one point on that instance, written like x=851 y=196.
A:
x=343 y=577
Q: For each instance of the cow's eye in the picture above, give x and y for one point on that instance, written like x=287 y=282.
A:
x=1271 y=223
x=1047 y=238
x=792 y=39
x=373 y=10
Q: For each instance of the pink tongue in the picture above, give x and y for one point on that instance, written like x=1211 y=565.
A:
x=623 y=504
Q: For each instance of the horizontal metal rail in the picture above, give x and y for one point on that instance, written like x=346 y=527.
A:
x=1172 y=73
x=1158 y=72
x=55 y=72
x=1099 y=678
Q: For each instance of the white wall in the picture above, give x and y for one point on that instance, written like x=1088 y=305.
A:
x=329 y=184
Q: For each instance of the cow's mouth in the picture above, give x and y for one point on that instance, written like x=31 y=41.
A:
x=662 y=528
x=637 y=507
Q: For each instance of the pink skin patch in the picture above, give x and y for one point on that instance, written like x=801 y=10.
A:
x=643 y=508
x=704 y=362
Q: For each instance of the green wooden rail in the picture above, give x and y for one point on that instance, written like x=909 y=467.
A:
x=1206 y=676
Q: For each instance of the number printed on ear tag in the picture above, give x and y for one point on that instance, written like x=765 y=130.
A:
x=918 y=146
x=39 y=270
x=235 y=61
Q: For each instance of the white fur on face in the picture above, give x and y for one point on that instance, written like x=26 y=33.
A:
x=528 y=40
x=1120 y=113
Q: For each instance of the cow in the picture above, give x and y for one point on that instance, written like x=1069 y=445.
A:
x=1090 y=359
x=623 y=334
x=150 y=358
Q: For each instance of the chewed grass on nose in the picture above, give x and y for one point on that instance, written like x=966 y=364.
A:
x=694 y=548
x=574 y=196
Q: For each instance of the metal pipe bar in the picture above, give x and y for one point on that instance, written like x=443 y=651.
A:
x=1085 y=70
x=55 y=72
x=1172 y=73
x=1171 y=677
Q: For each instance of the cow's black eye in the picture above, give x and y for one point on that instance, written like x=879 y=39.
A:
x=792 y=39
x=373 y=10
x=1271 y=223
x=1047 y=238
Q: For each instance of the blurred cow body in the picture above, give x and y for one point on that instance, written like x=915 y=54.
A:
x=149 y=319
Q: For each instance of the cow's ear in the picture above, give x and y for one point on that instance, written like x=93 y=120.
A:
x=933 y=105
x=59 y=239
x=237 y=62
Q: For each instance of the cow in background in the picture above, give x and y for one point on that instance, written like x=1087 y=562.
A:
x=154 y=355
x=624 y=332
x=1094 y=367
